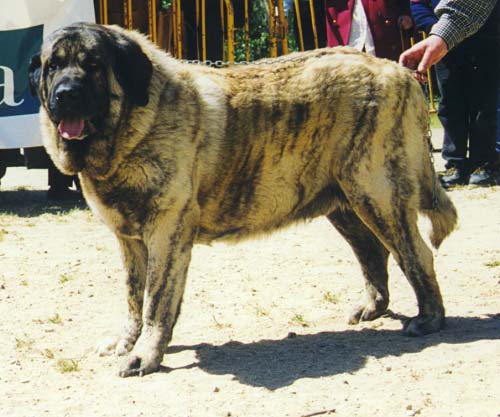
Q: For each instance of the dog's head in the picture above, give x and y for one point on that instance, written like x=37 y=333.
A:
x=81 y=72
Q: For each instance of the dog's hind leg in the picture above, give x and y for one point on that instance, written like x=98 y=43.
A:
x=393 y=219
x=135 y=257
x=372 y=256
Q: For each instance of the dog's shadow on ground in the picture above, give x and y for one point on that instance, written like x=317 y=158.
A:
x=33 y=203
x=275 y=364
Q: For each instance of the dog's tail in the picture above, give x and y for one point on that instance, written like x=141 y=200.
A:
x=438 y=207
x=443 y=216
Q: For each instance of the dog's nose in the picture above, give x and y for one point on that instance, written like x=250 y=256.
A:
x=67 y=94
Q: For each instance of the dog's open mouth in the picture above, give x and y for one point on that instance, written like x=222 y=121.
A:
x=72 y=129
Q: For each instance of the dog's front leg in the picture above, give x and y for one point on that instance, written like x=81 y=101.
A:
x=169 y=243
x=135 y=258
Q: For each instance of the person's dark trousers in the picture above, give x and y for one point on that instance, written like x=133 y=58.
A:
x=468 y=80
x=57 y=180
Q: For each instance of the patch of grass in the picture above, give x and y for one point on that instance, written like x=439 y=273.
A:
x=299 y=319
x=3 y=232
x=65 y=216
x=220 y=325
x=483 y=195
x=68 y=212
x=492 y=264
x=24 y=344
x=417 y=376
x=48 y=354
x=24 y=283
x=64 y=278
x=331 y=298
x=478 y=195
x=261 y=312
x=65 y=366
x=55 y=319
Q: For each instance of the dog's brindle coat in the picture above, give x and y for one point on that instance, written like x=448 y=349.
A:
x=171 y=154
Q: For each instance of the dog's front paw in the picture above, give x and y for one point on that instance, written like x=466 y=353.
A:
x=115 y=345
x=135 y=365
x=146 y=356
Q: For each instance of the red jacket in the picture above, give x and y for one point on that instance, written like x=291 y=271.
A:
x=382 y=15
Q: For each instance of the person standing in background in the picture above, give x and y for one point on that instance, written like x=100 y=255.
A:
x=377 y=27
x=468 y=82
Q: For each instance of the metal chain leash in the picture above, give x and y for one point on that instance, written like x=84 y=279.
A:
x=213 y=64
x=263 y=61
x=226 y=64
x=431 y=154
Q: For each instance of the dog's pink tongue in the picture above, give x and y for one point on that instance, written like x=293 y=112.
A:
x=71 y=128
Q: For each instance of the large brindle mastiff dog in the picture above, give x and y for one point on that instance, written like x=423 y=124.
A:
x=170 y=154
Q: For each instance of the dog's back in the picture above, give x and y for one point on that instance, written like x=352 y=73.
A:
x=300 y=130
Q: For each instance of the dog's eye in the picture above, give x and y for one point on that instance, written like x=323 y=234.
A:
x=53 y=66
x=91 y=64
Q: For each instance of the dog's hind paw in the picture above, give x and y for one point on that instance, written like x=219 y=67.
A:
x=366 y=312
x=422 y=325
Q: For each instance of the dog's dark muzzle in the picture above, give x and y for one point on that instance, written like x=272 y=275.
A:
x=69 y=108
x=68 y=99
x=68 y=95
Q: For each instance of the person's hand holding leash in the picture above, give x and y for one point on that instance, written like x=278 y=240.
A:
x=423 y=55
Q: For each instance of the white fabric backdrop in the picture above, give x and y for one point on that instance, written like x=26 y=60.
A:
x=21 y=131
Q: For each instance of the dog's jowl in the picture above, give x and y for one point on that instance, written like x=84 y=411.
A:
x=170 y=154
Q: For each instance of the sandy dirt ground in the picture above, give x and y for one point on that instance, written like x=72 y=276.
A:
x=262 y=330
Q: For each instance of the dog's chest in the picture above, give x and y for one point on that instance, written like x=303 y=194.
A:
x=111 y=216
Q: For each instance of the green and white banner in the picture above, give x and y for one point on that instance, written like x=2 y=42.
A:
x=23 y=25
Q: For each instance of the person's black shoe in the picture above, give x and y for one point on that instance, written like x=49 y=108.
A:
x=486 y=174
x=454 y=176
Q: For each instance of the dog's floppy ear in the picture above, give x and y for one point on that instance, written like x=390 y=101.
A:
x=133 y=70
x=34 y=71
